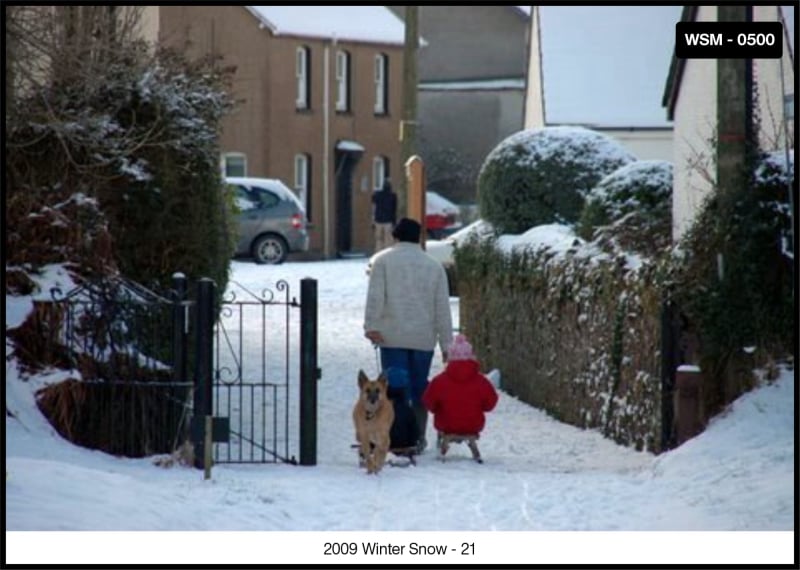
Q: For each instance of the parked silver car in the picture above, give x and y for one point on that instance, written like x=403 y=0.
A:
x=271 y=219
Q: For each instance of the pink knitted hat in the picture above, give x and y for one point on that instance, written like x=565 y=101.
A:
x=461 y=349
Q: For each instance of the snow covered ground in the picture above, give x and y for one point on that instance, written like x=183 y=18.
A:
x=539 y=476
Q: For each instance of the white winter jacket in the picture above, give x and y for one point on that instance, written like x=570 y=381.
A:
x=408 y=300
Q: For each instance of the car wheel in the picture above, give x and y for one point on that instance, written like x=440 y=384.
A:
x=270 y=249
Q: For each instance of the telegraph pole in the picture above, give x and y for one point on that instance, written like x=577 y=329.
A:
x=408 y=122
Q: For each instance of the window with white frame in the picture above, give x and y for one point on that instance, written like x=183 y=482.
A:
x=381 y=83
x=380 y=171
x=234 y=164
x=342 y=81
x=302 y=181
x=303 y=77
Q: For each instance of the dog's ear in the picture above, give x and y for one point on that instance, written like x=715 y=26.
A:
x=383 y=380
x=362 y=379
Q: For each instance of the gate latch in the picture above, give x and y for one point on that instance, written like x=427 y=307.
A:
x=220 y=429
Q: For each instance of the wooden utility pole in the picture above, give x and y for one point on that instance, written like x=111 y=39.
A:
x=11 y=38
x=734 y=120
x=408 y=122
x=734 y=109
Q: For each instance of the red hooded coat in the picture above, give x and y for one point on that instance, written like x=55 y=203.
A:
x=459 y=397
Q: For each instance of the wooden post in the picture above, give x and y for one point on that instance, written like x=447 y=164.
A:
x=415 y=182
x=689 y=413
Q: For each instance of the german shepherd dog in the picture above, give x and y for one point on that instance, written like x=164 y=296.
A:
x=373 y=416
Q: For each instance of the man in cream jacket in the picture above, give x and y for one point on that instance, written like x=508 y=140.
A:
x=408 y=312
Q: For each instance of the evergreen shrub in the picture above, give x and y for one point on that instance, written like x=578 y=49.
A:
x=541 y=176
x=632 y=205
x=731 y=279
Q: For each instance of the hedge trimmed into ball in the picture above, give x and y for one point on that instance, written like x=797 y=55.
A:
x=541 y=176
x=635 y=197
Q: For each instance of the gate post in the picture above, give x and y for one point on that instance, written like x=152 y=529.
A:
x=205 y=364
x=180 y=335
x=179 y=328
x=309 y=374
x=669 y=358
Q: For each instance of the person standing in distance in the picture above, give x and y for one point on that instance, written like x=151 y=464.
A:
x=384 y=214
x=407 y=312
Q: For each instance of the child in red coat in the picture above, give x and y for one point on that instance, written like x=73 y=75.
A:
x=459 y=397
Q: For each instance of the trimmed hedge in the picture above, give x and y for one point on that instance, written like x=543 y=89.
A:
x=541 y=176
x=576 y=336
x=632 y=205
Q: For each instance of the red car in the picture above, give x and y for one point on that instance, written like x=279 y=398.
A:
x=441 y=215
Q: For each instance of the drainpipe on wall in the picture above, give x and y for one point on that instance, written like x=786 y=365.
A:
x=326 y=149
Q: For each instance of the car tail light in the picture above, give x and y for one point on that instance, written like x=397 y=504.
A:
x=297 y=221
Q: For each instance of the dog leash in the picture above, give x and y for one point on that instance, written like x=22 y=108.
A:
x=377 y=361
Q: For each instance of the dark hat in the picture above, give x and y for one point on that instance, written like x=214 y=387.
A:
x=407 y=229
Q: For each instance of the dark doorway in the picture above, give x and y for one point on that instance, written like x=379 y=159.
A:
x=346 y=161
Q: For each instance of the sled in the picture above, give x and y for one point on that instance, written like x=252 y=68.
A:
x=445 y=439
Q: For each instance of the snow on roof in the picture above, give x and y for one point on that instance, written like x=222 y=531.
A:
x=605 y=65
x=371 y=24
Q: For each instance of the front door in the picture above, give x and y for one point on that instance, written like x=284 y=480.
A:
x=345 y=164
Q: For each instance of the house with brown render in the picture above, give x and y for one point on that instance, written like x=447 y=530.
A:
x=320 y=104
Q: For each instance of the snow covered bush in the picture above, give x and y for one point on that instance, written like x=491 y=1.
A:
x=172 y=202
x=111 y=173
x=138 y=135
x=632 y=206
x=542 y=176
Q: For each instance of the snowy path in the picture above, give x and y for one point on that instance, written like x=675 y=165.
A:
x=539 y=474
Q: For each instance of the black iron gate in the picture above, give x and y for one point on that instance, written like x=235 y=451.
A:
x=255 y=353
x=127 y=394
x=156 y=367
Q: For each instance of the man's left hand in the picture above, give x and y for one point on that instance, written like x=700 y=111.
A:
x=375 y=336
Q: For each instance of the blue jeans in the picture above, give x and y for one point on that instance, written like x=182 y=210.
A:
x=418 y=364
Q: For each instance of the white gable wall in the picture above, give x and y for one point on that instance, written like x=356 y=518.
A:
x=695 y=120
x=534 y=98
x=149 y=25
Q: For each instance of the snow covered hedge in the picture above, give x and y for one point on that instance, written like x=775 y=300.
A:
x=541 y=176
x=139 y=135
x=632 y=205
x=575 y=331
x=112 y=169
